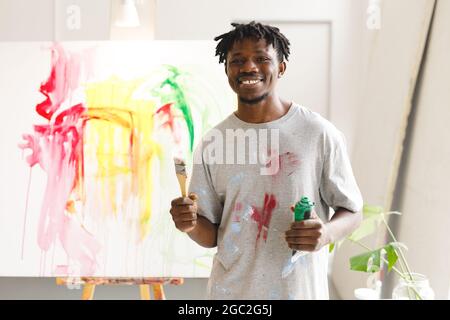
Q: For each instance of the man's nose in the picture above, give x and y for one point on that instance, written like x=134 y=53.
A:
x=249 y=66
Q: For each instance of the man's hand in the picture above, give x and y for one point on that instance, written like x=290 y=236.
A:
x=308 y=235
x=184 y=212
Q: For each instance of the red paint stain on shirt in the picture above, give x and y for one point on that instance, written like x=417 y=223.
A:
x=264 y=215
x=288 y=162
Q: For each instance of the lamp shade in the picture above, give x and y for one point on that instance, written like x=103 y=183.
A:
x=127 y=15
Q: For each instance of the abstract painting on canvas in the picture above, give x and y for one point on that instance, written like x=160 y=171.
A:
x=89 y=134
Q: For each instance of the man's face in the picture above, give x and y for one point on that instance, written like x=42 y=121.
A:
x=253 y=70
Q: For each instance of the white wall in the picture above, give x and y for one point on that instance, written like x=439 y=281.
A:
x=391 y=60
x=81 y=20
x=24 y=20
x=425 y=222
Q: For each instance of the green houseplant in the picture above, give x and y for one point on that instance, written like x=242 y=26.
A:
x=391 y=253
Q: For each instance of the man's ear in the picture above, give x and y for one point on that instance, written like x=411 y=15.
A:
x=225 y=65
x=281 y=68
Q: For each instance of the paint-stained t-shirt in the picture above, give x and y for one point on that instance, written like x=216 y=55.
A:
x=249 y=198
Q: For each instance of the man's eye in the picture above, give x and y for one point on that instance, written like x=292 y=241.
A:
x=262 y=59
x=236 y=61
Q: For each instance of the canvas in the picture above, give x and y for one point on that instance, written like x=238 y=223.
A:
x=89 y=134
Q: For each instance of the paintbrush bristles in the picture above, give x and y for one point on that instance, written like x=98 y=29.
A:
x=180 y=169
x=180 y=166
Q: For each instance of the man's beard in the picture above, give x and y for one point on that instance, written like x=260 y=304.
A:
x=254 y=100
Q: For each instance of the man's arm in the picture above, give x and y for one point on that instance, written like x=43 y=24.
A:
x=204 y=233
x=342 y=224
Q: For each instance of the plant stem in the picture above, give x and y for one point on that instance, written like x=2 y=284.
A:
x=399 y=249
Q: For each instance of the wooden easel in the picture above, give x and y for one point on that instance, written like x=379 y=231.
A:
x=144 y=285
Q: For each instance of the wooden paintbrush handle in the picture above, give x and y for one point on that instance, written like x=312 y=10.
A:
x=182 y=182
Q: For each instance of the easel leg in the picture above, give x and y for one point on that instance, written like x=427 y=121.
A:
x=144 y=289
x=88 y=292
x=158 y=292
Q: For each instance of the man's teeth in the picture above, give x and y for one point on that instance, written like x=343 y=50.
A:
x=250 y=81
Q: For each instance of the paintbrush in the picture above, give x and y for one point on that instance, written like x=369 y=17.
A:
x=180 y=169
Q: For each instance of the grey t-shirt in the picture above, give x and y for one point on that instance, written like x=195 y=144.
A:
x=304 y=155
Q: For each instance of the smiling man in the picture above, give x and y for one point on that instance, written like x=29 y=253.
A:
x=248 y=215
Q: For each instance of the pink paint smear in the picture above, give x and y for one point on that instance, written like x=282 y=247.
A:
x=57 y=147
x=288 y=162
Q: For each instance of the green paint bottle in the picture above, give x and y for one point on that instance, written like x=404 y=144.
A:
x=302 y=209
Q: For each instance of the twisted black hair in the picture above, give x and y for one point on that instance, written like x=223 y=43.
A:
x=254 y=30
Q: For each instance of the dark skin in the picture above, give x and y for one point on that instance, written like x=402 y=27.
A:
x=253 y=70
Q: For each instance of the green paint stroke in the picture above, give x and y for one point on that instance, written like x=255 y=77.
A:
x=178 y=98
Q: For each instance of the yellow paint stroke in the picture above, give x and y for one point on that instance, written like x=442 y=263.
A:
x=119 y=136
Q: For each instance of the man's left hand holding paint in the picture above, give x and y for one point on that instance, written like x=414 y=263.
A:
x=308 y=235
x=312 y=234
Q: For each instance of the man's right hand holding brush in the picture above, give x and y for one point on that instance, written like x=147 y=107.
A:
x=184 y=214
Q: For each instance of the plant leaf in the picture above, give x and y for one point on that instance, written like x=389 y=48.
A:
x=372 y=210
x=373 y=216
x=367 y=262
x=371 y=260
x=335 y=245
x=391 y=254
x=331 y=247
x=367 y=227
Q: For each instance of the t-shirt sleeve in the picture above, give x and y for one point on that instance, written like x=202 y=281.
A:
x=209 y=205
x=338 y=187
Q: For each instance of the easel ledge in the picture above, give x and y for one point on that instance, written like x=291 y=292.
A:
x=89 y=284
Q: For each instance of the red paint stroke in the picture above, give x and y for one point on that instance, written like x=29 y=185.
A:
x=288 y=162
x=264 y=215
x=175 y=128
x=64 y=77
x=57 y=147
x=166 y=110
